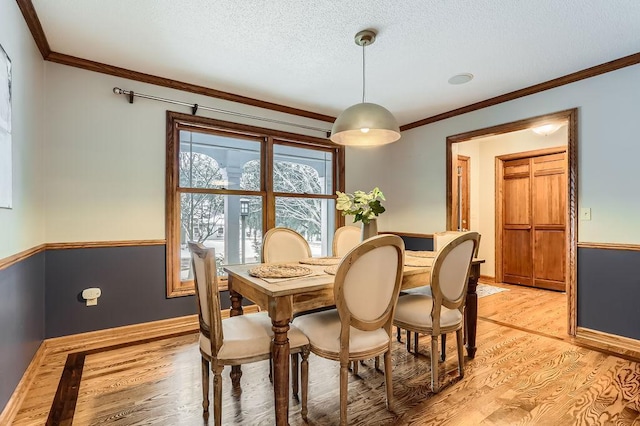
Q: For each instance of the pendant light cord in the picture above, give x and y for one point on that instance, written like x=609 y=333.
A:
x=363 y=74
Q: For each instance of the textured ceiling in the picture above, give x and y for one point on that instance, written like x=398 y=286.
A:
x=302 y=54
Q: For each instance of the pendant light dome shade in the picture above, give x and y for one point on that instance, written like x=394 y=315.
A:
x=365 y=124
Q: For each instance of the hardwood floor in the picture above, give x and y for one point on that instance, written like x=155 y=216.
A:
x=526 y=371
x=533 y=309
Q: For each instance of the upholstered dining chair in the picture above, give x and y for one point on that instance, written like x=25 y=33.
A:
x=236 y=340
x=281 y=245
x=440 y=239
x=443 y=312
x=345 y=238
x=365 y=291
x=284 y=245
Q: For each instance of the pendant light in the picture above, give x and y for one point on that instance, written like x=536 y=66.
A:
x=365 y=124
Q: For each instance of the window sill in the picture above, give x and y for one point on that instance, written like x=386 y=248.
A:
x=186 y=288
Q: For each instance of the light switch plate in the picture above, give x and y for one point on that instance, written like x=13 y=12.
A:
x=585 y=213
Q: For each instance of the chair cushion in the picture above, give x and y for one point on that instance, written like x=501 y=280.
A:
x=323 y=331
x=416 y=309
x=247 y=336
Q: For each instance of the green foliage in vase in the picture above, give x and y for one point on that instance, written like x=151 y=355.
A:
x=362 y=205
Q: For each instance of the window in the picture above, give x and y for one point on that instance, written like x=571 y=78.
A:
x=228 y=183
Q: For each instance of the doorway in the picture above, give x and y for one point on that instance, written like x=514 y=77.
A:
x=483 y=192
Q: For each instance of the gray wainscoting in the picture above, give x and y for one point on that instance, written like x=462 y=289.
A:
x=132 y=280
x=21 y=320
x=609 y=291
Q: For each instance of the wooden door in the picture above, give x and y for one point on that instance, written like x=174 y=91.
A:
x=533 y=221
x=461 y=192
x=517 y=250
x=549 y=216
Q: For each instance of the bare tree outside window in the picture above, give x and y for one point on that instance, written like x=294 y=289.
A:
x=201 y=214
x=299 y=214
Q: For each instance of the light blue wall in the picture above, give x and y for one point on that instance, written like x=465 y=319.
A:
x=608 y=149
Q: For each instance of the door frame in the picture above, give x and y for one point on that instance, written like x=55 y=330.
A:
x=499 y=215
x=571 y=260
x=455 y=195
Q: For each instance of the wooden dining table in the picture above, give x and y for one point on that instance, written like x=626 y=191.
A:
x=282 y=300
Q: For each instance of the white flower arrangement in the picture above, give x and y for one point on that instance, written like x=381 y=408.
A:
x=365 y=206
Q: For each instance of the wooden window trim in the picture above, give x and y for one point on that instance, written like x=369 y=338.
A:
x=268 y=137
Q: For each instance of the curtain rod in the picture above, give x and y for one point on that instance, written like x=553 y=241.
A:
x=195 y=107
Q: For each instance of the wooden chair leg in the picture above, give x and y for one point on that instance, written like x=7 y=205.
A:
x=305 y=381
x=415 y=342
x=434 y=364
x=217 y=393
x=294 y=375
x=399 y=334
x=408 y=341
x=460 y=342
x=271 y=370
x=443 y=351
x=388 y=380
x=377 y=364
x=343 y=392
x=205 y=386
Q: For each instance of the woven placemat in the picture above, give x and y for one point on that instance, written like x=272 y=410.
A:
x=279 y=271
x=413 y=253
x=322 y=261
x=417 y=261
x=331 y=270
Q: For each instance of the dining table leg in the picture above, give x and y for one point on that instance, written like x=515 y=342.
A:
x=236 y=309
x=281 y=357
x=471 y=310
x=281 y=313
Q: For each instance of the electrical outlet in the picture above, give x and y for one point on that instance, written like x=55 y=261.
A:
x=585 y=213
x=91 y=295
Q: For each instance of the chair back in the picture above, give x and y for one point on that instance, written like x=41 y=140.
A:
x=284 y=245
x=367 y=284
x=440 y=239
x=450 y=275
x=346 y=238
x=203 y=260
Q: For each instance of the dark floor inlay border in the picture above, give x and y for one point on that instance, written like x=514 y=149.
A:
x=64 y=403
x=63 y=406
